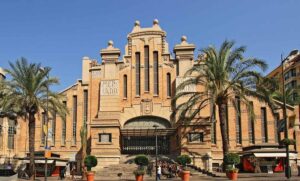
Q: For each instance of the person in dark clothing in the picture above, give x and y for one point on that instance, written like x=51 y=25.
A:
x=62 y=173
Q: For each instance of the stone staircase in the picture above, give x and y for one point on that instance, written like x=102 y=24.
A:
x=124 y=170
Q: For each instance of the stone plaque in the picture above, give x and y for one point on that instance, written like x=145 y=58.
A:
x=146 y=106
x=109 y=88
x=188 y=88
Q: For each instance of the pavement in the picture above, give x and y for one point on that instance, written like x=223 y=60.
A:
x=242 y=177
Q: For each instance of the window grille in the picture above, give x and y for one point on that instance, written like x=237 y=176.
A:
x=264 y=125
x=63 y=130
x=137 y=74
x=74 y=120
x=11 y=134
x=196 y=137
x=169 y=85
x=251 y=124
x=43 y=122
x=156 y=73
x=146 y=62
x=125 y=86
x=238 y=121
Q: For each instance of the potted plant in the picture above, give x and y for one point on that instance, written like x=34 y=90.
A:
x=90 y=161
x=141 y=161
x=230 y=160
x=287 y=141
x=184 y=160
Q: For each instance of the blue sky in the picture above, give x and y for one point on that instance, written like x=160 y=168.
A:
x=58 y=33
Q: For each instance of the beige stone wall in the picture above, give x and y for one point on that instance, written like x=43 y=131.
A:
x=108 y=111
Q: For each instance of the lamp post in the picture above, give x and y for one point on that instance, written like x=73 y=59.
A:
x=46 y=70
x=155 y=127
x=286 y=134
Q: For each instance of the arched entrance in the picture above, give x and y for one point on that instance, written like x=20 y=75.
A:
x=138 y=135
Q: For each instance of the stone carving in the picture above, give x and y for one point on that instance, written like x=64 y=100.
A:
x=109 y=88
x=169 y=64
x=123 y=66
x=146 y=107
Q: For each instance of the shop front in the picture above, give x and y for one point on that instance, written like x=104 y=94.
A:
x=265 y=158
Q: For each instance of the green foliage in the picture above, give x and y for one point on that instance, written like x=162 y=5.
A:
x=291 y=95
x=141 y=160
x=139 y=172
x=287 y=141
x=225 y=74
x=231 y=159
x=25 y=93
x=90 y=161
x=184 y=160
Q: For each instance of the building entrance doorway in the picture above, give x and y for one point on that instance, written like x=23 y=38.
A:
x=145 y=145
x=138 y=135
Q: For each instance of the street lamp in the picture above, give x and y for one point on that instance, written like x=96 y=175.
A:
x=46 y=70
x=155 y=127
x=286 y=135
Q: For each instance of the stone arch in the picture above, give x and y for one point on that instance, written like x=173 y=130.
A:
x=147 y=122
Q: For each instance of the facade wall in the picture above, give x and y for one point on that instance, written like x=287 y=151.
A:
x=108 y=109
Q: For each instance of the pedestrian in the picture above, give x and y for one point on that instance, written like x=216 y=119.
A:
x=73 y=171
x=67 y=171
x=62 y=173
x=158 y=172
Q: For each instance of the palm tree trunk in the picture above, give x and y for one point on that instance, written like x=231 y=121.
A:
x=223 y=126
x=31 y=130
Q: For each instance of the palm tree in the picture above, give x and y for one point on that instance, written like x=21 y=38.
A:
x=291 y=95
x=26 y=95
x=224 y=74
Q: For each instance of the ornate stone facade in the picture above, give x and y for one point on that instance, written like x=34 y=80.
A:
x=136 y=90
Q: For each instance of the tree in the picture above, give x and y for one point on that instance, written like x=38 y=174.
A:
x=291 y=95
x=224 y=74
x=26 y=95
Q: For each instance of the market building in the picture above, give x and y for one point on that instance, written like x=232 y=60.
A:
x=121 y=98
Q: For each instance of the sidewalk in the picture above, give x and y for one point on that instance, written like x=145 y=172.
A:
x=242 y=177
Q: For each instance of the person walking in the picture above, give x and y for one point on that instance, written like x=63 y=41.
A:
x=158 y=172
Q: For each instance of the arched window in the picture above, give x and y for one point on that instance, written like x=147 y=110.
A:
x=168 y=84
x=155 y=66
x=137 y=74
x=146 y=63
x=125 y=86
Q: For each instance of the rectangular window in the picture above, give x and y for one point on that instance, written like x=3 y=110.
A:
x=251 y=124
x=85 y=106
x=238 y=121
x=43 y=122
x=264 y=125
x=147 y=65
x=53 y=129
x=74 y=120
x=196 y=137
x=137 y=74
x=11 y=134
x=213 y=129
x=63 y=127
x=169 y=85
x=125 y=86
x=276 y=116
x=156 y=80
x=227 y=122
x=105 y=137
